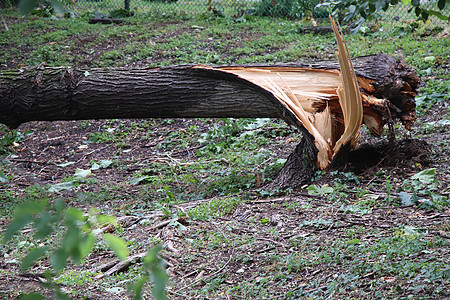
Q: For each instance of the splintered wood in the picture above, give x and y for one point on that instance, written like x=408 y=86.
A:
x=327 y=103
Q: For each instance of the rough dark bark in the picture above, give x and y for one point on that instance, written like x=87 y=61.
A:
x=49 y=94
x=324 y=29
x=105 y=20
x=299 y=167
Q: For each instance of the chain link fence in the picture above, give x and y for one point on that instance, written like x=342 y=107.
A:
x=293 y=9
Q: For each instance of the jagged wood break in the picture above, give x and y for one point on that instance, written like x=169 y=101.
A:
x=327 y=103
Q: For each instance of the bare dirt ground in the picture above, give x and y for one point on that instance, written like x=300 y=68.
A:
x=234 y=248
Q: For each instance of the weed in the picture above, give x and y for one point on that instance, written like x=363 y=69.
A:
x=10 y=138
x=214 y=208
x=75 y=243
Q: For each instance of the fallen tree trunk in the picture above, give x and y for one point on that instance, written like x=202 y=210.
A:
x=50 y=94
x=387 y=87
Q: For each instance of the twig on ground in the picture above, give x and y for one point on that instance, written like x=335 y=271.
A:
x=4 y=23
x=187 y=149
x=270 y=200
x=38 y=277
x=270 y=240
x=213 y=275
x=160 y=225
x=29 y=161
x=266 y=250
x=309 y=195
x=191 y=204
x=87 y=154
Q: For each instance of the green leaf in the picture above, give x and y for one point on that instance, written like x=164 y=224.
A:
x=58 y=7
x=71 y=243
x=426 y=176
x=138 y=287
x=379 y=4
x=135 y=181
x=60 y=295
x=160 y=279
x=327 y=189
x=174 y=222
x=22 y=216
x=32 y=256
x=86 y=244
x=264 y=221
x=105 y=219
x=27 y=6
x=418 y=11
x=152 y=256
x=65 y=164
x=42 y=225
x=58 y=259
x=354 y=241
x=407 y=199
x=59 y=205
x=74 y=214
x=158 y=275
x=144 y=179
x=441 y=4
x=63 y=186
x=3 y=178
x=105 y=163
x=33 y=296
x=413 y=231
x=17 y=224
x=315 y=190
x=427 y=204
x=80 y=173
x=430 y=59
x=117 y=244
x=439 y=15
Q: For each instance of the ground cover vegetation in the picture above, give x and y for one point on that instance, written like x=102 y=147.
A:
x=196 y=187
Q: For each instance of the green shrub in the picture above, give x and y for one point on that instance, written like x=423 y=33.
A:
x=290 y=8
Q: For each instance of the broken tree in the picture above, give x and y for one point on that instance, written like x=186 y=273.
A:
x=309 y=96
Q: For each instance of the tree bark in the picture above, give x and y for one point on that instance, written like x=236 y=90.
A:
x=50 y=94
x=298 y=169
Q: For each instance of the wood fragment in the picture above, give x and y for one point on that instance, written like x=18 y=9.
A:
x=160 y=225
x=118 y=266
x=209 y=277
x=105 y=20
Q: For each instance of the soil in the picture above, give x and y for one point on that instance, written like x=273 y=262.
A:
x=35 y=162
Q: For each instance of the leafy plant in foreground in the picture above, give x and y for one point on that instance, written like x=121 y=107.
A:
x=369 y=9
x=421 y=189
x=48 y=220
x=9 y=138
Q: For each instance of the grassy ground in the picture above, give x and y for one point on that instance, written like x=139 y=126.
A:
x=195 y=186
